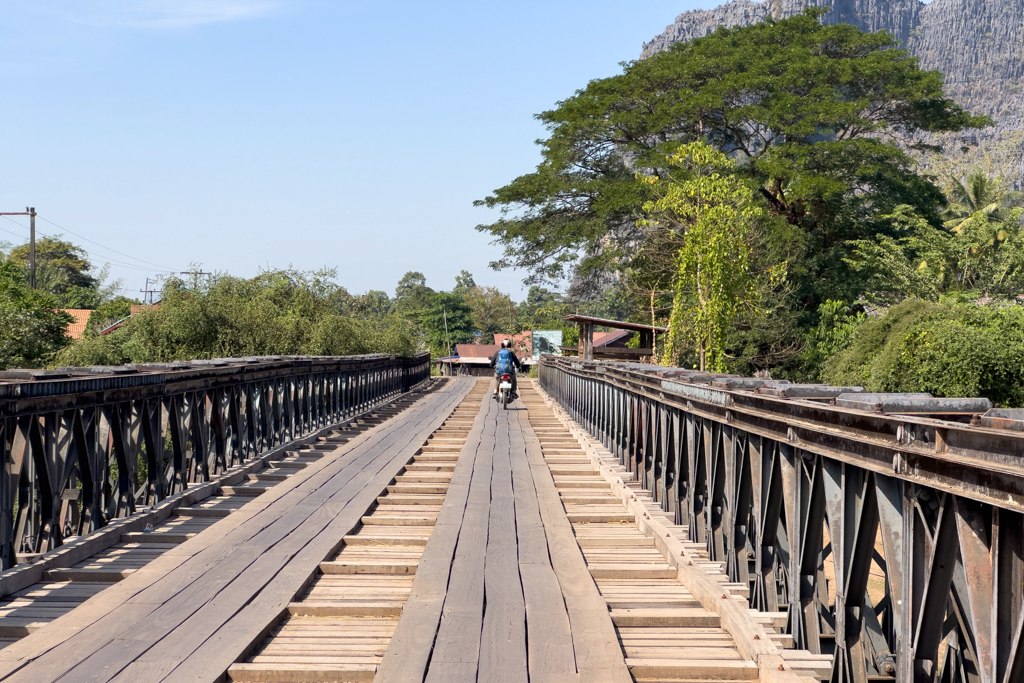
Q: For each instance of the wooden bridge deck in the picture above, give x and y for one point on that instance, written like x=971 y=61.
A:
x=454 y=541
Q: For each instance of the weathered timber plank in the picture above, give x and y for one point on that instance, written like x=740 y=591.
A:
x=14 y=656
x=243 y=630
x=409 y=650
x=310 y=495
x=503 y=638
x=457 y=645
x=551 y=655
x=598 y=656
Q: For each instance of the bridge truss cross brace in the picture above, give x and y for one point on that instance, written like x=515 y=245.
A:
x=893 y=577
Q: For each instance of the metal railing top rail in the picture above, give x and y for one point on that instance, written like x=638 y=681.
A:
x=29 y=391
x=962 y=446
x=83 y=446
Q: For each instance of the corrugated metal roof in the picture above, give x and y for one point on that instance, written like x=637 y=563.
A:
x=76 y=328
x=617 y=324
x=113 y=326
x=475 y=350
x=605 y=338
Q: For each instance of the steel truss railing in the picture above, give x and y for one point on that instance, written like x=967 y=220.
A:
x=894 y=542
x=83 y=447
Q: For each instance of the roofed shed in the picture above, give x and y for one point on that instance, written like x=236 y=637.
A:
x=604 y=349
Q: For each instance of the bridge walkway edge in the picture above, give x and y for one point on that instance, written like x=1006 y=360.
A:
x=340 y=627
x=753 y=634
x=201 y=603
x=32 y=596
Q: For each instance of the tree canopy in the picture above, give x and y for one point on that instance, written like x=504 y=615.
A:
x=493 y=312
x=949 y=348
x=412 y=296
x=31 y=329
x=278 y=312
x=63 y=269
x=447 y=321
x=816 y=118
x=707 y=213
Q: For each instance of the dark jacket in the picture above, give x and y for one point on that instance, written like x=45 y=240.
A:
x=515 y=360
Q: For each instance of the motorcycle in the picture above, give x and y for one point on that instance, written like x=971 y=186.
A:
x=505 y=390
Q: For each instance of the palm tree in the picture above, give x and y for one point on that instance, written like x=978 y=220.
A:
x=978 y=193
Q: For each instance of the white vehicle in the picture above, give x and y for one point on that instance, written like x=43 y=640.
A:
x=505 y=389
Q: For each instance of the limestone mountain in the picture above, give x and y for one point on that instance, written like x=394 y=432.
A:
x=977 y=44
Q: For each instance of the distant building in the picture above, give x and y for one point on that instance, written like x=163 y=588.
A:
x=79 y=320
x=475 y=359
x=613 y=345
x=135 y=310
x=522 y=343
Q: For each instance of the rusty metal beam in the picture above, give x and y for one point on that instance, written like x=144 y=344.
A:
x=908 y=509
x=81 y=446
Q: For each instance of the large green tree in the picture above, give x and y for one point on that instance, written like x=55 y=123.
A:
x=493 y=312
x=979 y=193
x=543 y=309
x=816 y=118
x=63 y=269
x=278 y=312
x=31 y=330
x=708 y=212
x=464 y=282
x=447 y=321
x=979 y=250
x=374 y=304
x=412 y=296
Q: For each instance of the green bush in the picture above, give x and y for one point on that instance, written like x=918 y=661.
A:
x=108 y=313
x=275 y=313
x=31 y=329
x=950 y=348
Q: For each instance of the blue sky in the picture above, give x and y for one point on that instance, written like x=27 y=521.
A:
x=242 y=134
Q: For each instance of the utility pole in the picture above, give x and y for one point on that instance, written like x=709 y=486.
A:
x=147 y=292
x=195 y=276
x=446 y=336
x=29 y=211
x=31 y=246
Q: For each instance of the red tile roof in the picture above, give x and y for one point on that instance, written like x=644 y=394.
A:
x=80 y=316
x=139 y=308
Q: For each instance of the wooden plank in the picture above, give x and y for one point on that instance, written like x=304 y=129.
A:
x=410 y=648
x=11 y=657
x=598 y=656
x=503 y=654
x=300 y=509
x=551 y=653
x=457 y=645
x=244 y=629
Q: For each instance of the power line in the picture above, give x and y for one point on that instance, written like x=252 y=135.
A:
x=31 y=213
x=9 y=232
x=98 y=257
x=134 y=258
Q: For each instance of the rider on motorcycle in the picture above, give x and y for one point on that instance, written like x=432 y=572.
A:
x=504 y=361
